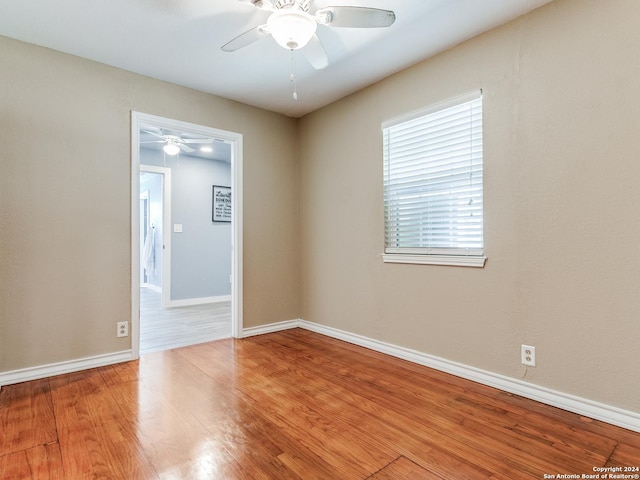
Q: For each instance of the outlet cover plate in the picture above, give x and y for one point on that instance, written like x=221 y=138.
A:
x=528 y=355
x=122 y=329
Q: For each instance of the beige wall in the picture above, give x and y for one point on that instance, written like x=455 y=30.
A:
x=562 y=162
x=65 y=202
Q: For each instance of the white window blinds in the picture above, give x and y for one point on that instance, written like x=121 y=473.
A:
x=433 y=180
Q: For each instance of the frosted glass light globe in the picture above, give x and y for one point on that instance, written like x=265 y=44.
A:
x=171 y=149
x=291 y=28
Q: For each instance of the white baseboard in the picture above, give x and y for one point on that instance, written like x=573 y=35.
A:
x=187 y=302
x=270 y=328
x=599 y=411
x=582 y=406
x=52 y=369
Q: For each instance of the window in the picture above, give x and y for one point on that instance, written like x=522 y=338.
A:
x=433 y=184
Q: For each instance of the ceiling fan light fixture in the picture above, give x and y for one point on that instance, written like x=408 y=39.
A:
x=171 y=148
x=291 y=28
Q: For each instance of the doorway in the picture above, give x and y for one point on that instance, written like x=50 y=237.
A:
x=154 y=231
x=145 y=226
x=152 y=234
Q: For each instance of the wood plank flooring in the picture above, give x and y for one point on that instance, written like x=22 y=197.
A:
x=166 y=328
x=290 y=405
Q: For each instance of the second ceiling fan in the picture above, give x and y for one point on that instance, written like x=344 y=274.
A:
x=173 y=144
x=293 y=24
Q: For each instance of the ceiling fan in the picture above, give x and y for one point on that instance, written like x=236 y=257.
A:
x=173 y=144
x=293 y=24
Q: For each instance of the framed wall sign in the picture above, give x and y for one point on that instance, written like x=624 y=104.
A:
x=221 y=211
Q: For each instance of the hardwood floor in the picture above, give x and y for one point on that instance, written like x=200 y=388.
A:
x=290 y=405
x=166 y=328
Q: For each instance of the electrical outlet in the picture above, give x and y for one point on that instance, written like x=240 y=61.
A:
x=123 y=329
x=528 y=355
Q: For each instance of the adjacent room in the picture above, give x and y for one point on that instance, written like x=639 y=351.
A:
x=185 y=247
x=296 y=239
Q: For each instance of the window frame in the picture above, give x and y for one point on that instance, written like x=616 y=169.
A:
x=467 y=257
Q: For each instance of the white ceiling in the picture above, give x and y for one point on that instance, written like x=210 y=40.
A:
x=179 y=41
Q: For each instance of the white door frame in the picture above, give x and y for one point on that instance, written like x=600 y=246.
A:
x=235 y=140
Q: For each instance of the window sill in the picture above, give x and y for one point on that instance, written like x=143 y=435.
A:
x=450 y=260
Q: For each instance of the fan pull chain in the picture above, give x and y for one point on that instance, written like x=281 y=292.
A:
x=292 y=77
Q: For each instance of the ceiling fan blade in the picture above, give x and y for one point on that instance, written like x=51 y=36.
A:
x=185 y=148
x=244 y=39
x=154 y=134
x=356 y=17
x=155 y=141
x=315 y=54
x=197 y=140
x=261 y=4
